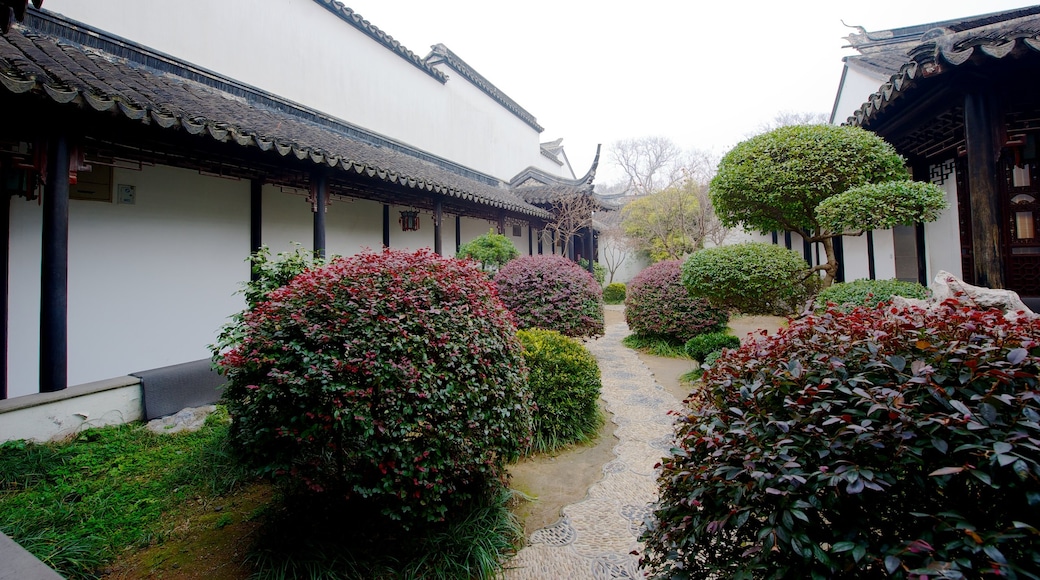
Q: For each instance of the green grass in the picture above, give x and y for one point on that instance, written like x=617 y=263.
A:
x=77 y=505
x=655 y=346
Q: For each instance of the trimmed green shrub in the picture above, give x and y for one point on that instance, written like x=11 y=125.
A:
x=491 y=250
x=552 y=293
x=869 y=293
x=658 y=305
x=599 y=271
x=752 y=278
x=865 y=444
x=274 y=272
x=614 y=293
x=700 y=346
x=565 y=384
x=394 y=378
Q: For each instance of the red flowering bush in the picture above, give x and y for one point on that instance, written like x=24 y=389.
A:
x=865 y=444
x=552 y=293
x=658 y=305
x=395 y=377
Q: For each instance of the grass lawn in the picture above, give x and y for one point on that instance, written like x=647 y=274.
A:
x=122 y=502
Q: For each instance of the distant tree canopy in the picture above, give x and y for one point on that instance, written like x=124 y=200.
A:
x=666 y=224
x=779 y=179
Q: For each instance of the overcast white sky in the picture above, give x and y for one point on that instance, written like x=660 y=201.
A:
x=705 y=74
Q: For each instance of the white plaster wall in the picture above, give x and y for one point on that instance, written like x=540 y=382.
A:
x=632 y=264
x=856 y=264
x=471 y=228
x=942 y=240
x=149 y=284
x=303 y=52
x=421 y=238
x=351 y=225
x=884 y=255
x=857 y=86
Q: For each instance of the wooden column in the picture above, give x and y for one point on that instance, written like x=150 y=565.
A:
x=386 y=226
x=530 y=239
x=588 y=250
x=839 y=253
x=982 y=126
x=541 y=236
x=54 y=272
x=319 y=193
x=922 y=254
x=5 y=258
x=871 y=272
x=458 y=233
x=256 y=220
x=438 y=216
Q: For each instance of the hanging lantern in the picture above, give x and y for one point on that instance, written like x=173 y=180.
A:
x=409 y=221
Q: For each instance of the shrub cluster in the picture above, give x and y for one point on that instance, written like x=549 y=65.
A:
x=599 y=271
x=491 y=250
x=700 y=346
x=552 y=293
x=658 y=305
x=565 y=384
x=614 y=293
x=869 y=293
x=395 y=377
x=861 y=444
x=753 y=278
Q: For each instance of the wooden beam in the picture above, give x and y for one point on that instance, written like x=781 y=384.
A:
x=54 y=272
x=982 y=126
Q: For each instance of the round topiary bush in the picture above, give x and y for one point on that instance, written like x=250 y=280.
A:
x=658 y=305
x=864 y=444
x=565 y=384
x=700 y=346
x=394 y=377
x=752 y=278
x=869 y=293
x=552 y=293
x=614 y=293
x=491 y=250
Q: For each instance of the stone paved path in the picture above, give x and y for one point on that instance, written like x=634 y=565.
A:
x=596 y=536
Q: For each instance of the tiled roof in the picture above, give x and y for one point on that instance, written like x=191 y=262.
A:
x=942 y=49
x=67 y=62
x=441 y=53
x=538 y=188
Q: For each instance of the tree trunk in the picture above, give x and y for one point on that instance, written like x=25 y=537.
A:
x=831 y=271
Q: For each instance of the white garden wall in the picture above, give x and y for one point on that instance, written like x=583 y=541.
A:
x=299 y=50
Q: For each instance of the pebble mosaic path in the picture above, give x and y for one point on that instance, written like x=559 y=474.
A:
x=595 y=537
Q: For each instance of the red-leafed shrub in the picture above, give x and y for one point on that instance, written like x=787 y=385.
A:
x=658 y=305
x=552 y=293
x=395 y=377
x=877 y=442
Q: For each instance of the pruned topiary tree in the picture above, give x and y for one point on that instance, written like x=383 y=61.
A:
x=820 y=181
x=491 y=250
x=752 y=278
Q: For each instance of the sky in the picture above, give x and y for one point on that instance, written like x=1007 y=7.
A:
x=704 y=74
